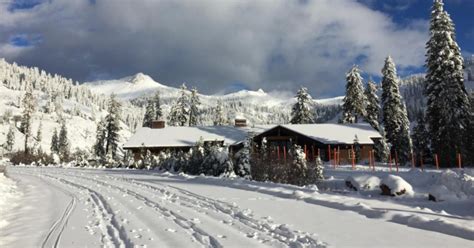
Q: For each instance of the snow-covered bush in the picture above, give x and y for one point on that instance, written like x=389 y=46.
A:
x=196 y=158
x=460 y=184
x=395 y=186
x=217 y=161
x=316 y=171
x=298 y=171
x=363 y=182
x=242 y=167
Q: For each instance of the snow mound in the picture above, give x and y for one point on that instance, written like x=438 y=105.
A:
x=452 y=185
x=396 y=186
x=8 y=196
x=363 y=182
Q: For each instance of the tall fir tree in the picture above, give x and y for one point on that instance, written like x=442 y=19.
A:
x=180 y=110
x=354 y=100
x=29 y=104
x=395 y=117
x=112 y=127
x=10 y=139
x=150 y=113
x=302 y=113
x=63 y=142
x=158 y=110
x=194 y=113
x=372 y=108
x=99 y=146
x=421 y=140
x=55 y=142
x=448 y=106
x=219 y=115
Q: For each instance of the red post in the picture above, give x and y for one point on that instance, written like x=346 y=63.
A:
x=373 y=161
x=305 y=152
x=278 y=152
x=390 y=161
x=338 y=155
x=284 y=153
x=396 y=160
x=436 y=161
x=353 y=157
x=421 y=161
x=412 y=160
x=459 y=161
x=335 y=157
x=329 y=152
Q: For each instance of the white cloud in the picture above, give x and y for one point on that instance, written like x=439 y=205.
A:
x=210 y=43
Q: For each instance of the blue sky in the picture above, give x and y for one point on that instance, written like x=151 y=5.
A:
x=222 y=46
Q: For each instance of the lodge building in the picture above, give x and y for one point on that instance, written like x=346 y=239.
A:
x=323 y=139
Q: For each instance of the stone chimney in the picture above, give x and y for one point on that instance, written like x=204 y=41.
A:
x=157 y=124
x=240 y=123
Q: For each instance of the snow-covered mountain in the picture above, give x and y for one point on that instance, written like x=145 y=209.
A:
x=57 y=98
x=258 y=107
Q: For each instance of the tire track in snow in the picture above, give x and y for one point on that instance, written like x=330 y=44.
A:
x=112 y=233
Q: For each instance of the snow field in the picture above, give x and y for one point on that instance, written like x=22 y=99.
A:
x=123 y=208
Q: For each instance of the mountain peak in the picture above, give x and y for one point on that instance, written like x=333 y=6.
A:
x=139 y=77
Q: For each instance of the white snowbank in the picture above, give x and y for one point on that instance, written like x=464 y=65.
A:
x=8 y=196
x=364 y=182
x=452 y=185
x=397 y=184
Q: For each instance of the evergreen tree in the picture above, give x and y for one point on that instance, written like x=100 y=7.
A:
x=372 y=108
x=28 y=110
x=10 y=139
x=55 y=142
x=318 y=173
x=194 y=113
x=243 y=167
x=301 y=112
x=395 y=118
x=219 y=118
x=179 y=111
x=298 y=172
x=150 y=113
x=421 y=139
x=158 y=110
x=217 y=161
x=354 y=101
x=112 y=127
x=99 y=146
x=447 y=112
x=63 y=142
x=39 y=137
x=194 y=166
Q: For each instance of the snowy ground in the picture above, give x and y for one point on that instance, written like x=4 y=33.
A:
x=94 y=207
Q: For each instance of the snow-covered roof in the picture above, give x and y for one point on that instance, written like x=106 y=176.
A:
x=188 y=136
x=336 y=133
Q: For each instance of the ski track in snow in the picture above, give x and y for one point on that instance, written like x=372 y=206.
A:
x=225 y=213
x=144 y=210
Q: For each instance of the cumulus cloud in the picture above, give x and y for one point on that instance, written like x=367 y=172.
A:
x=269 y=44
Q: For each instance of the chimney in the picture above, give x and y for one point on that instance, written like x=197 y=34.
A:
x=240 y=123
x=157 y=124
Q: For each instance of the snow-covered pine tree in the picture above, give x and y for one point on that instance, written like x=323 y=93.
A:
x=158 y=110
x=55 y=142
x=381 y=148
x=194 y=113
x=395 y=118
x=63 y=142
x=302 y=113
x=317 y=171
x=150 y=113
x=219 y=115
x=372 y=108
x=179 y=111
x=99 y=146
x=354 y=100
x=447 y=112
x=29 y=104
x=39 y=138
x=421 y=140
x=243 y=166
x=298 y=171
x=196 y=157
x=217 y=161
x=10 y=139
x=112 y=127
